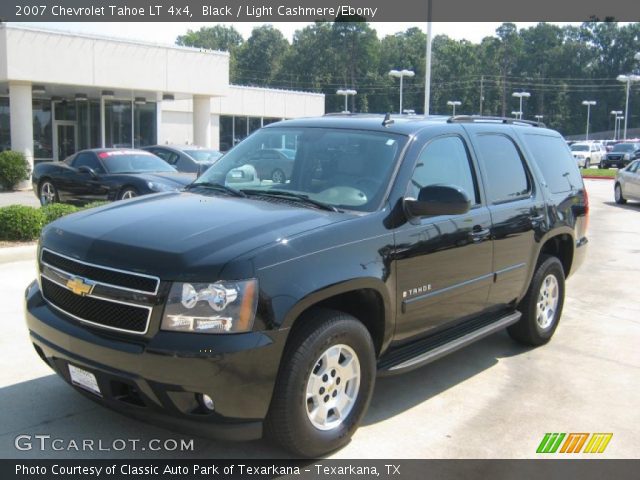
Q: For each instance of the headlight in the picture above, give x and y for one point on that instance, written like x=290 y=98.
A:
x=160 y=187
x=627 y=156
x=220 y=307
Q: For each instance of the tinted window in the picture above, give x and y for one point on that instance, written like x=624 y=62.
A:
x=558 y=167
x=88 y=160
x=444 y=161
x=579 y=148
x=342 y=167
x=133 y=161
x=506 y=175
x=624 y=147
x=167 y=155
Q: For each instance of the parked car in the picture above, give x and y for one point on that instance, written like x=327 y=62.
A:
x=609 y=144
x=186 y=158
x=272 y=163
x=231 y=311
x=621 y=155
x=627 y=184
x=105 y=174
x=587 y=153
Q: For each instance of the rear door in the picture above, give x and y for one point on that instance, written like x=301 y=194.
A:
x=444 y=263
x=517 y=210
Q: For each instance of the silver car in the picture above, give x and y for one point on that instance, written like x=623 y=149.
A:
x=627 y=185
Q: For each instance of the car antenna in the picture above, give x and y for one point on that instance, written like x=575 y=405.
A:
x=387 y=120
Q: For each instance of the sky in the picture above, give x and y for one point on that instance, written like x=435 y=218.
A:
x=167 y=32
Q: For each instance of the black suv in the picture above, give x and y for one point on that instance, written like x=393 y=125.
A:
x=231 y=306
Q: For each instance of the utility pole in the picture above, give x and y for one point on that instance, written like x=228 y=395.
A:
x=481 y=92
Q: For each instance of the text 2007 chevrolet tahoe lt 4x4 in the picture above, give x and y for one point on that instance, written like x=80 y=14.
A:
x=240 y=303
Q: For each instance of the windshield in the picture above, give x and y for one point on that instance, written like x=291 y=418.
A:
x=579 y=148
x=339 y=167
x=204 y=156
x=129 y=161
x=623 y=147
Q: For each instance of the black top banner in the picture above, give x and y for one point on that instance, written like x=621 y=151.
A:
x=315 y=10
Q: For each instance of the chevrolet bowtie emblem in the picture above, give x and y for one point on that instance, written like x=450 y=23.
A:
x=80 y=286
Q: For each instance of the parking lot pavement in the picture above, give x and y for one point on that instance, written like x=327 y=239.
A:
x=493 y=399
x=21 y=197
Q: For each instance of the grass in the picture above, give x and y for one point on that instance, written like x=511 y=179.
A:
x=596 y=172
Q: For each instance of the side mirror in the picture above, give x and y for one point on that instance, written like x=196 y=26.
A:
x=89 y=170
x=438 y=200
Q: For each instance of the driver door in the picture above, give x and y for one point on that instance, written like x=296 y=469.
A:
x=84 y=187
x=444 y=263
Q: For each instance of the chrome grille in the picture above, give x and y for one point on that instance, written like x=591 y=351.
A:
x=117 y=300
x=108 y=276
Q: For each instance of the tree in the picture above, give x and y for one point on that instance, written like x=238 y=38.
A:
x=260 y=58
x=218 y=37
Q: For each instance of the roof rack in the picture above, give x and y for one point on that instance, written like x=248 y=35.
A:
x=478 y=118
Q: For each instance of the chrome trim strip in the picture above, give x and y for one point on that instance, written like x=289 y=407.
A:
x=149 y=310
x=424 y=296
x=152 y=277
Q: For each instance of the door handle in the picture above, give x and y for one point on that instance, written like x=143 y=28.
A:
x=478 y=234
x=536 y=219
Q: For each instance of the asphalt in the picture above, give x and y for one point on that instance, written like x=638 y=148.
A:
x=494 y=399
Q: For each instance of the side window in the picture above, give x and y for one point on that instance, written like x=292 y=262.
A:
x=558 y=167
x=168 y=156
x=507 y=178
x=87 y=159
x=444 y=161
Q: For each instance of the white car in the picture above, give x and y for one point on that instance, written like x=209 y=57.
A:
x=627 y=186
x=587 y=154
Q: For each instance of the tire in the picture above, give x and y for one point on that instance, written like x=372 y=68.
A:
x=278 y=176
x=537 y=326
x=617 y=194
x=127 y=192
x=47 y=192
x=601 y=165
x=587 y=162
x=290 y=421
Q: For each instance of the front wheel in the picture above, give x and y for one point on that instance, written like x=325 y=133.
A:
x=324 y=386
x=587 y=163
x=48 y=193
x=617 y=193
x=127 y=193
x=542 y=305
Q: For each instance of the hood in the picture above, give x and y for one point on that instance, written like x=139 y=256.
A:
x=179 y=235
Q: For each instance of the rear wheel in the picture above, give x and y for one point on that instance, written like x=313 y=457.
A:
x=542 y=305
x=48 y=193
x=128 y=192
x=617 y=192
x=325 y=385
x=278 y=176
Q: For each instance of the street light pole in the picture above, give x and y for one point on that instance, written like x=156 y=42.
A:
x=616 y=114
x=628 y=79
x=427 y=69
x=401 y=74
x=454 y=104
x=588 y=104
x=346 y=92
x=521 y=95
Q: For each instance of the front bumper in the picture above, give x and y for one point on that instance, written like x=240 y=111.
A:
x=159 y=380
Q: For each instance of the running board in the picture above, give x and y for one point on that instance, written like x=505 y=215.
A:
x=432 y=348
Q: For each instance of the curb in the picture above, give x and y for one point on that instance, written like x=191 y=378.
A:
x=593 y=177
x=17 y=254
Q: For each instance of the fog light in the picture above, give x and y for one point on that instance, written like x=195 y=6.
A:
x=207 y=402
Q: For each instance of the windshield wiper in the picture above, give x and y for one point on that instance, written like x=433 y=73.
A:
x=292 y=195
x=216 y=186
